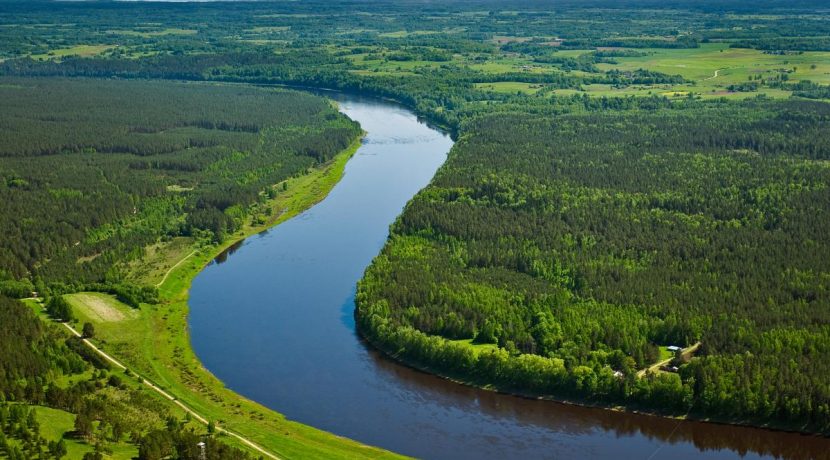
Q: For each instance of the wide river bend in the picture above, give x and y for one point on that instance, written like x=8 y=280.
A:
x=275 y=323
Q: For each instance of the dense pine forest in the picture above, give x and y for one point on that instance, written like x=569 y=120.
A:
x=629 y=176
x=92 y=171
x=579 y=244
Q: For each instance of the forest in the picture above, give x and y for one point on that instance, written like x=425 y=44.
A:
x=628 y=176
x=93 y=171
x=580 y=244
x=440 y=60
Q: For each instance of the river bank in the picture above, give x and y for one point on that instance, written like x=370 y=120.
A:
x=157 y=342
x=291 y=343
x=395 y=356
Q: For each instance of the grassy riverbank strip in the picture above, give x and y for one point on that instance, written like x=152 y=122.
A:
x=155 y=342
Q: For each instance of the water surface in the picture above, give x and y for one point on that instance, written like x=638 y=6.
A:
x=274 y=321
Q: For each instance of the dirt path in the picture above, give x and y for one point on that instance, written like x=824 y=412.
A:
x=655 y=367
x=173 y=268
x=717 y=72
x=167 y=395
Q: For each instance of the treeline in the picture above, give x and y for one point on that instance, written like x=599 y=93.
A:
x=91 y=171
x=554 y=256
x=585 y=25
x=786 y=43
x=176 y=442
x=643 y=77
x=808 y=89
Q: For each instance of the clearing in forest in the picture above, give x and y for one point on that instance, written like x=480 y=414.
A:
x=100 y=307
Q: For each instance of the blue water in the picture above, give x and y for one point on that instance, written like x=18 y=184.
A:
x=274 y=322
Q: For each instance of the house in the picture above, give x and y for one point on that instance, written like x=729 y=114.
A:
x=673 y=348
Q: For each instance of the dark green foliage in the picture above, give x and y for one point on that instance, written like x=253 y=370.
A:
x=643 y=77
x=577 y=244
x=91 y=171
x=573 y=233
x=16 y=289
x=77 y=345
x=57 y=449
x=293 y=33
x=809 y=90
x=30 y=353
x=786 y=43
x=88 y=330
x=178 y=443
x=59 y=309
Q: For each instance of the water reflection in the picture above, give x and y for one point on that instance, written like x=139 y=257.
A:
x=223 y=256
x=580 y=421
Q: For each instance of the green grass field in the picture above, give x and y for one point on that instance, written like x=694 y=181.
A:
x=478 y=347
x=665 y=353
x=735 y=65
x=710 y=69
x=78 y=50
x=509 y=87
x=54 y=423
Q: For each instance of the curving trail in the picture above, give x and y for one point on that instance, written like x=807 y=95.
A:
x=717 y=72
x=173 y=268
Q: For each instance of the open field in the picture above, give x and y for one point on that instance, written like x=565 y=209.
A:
x=153 y=33
x=709 y=69
x=509 y=87
x=715 y=66
x=159 y=258
x=734 y=65
x=56 y=424
x=78 y=50
x=100 y=308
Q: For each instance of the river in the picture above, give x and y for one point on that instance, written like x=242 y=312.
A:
x=274 y=321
